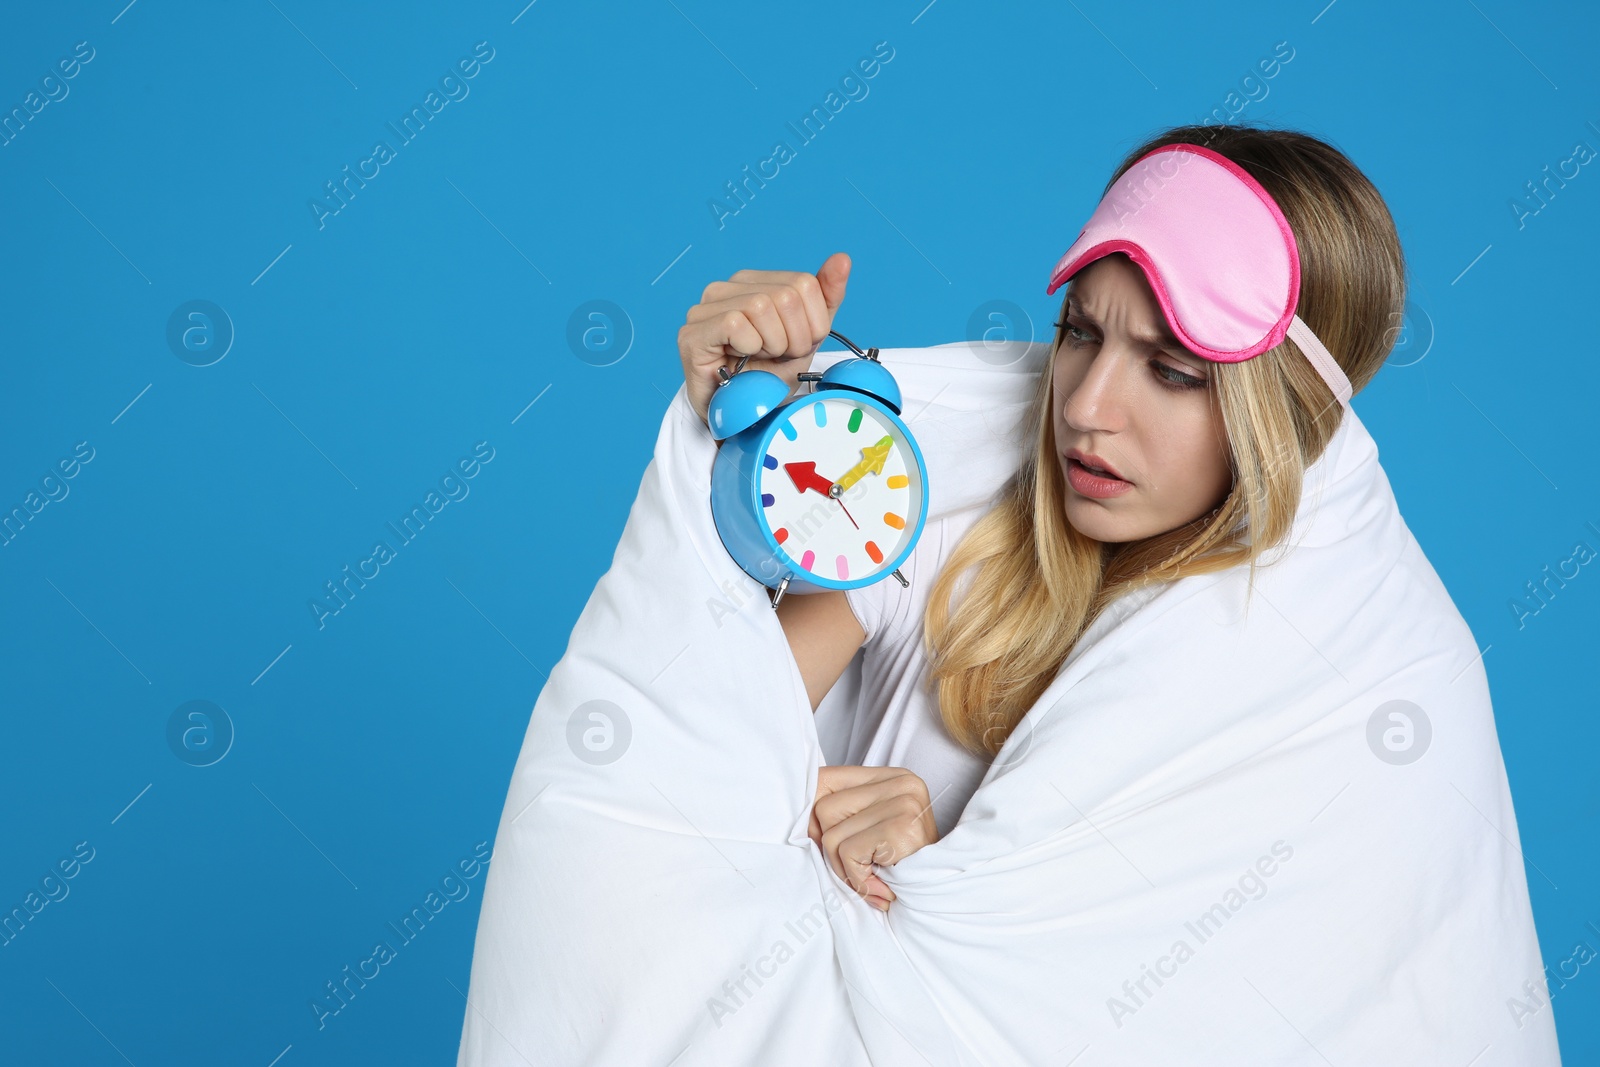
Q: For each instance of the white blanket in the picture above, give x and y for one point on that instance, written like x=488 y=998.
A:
x=1190 y=851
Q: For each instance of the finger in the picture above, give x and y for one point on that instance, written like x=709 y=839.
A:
x=832 y=278
x=859 y=851
x=818 y=315
x=711 y=309
x=720 y=291
x=735 y=332
x=834 y=777
x=877 y=887
x=791 y=310
x=830 y=853
x=781 y=277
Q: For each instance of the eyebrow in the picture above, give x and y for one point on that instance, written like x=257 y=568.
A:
x=1163 y=337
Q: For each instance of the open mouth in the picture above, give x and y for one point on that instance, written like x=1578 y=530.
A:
x=1094 y=482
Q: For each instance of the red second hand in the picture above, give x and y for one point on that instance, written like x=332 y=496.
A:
x=847 y=514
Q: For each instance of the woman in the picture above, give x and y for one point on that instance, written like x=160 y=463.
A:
x=1210 y=773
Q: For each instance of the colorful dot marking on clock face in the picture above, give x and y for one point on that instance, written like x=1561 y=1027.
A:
x=769 y=461
x=891 y=519
x=855 y=420
x=788 y=429
x=767 y=500
x=841 y=563
x=820 y=410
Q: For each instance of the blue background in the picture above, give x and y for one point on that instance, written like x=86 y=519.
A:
x=370 y=754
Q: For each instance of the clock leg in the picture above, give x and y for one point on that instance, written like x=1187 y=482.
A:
x=778 y=595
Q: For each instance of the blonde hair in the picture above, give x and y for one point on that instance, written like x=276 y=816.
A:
x=1031 y=584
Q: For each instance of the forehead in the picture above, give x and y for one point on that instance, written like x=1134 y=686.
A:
x=1114 y=282
x=1112 y=278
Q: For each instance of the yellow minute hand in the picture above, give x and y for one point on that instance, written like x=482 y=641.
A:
x=872 y=459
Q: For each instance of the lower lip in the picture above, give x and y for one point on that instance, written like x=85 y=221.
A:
x=1099 y=486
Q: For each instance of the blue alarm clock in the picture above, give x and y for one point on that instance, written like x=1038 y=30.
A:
x=827 y=490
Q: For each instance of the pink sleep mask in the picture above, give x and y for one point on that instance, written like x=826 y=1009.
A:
x=1217 y=251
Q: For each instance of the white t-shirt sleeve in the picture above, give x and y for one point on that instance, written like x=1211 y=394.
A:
x=883 y=607
x=869 y=603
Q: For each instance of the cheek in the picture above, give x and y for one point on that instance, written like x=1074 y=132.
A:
x=1195 y=463
x=1177 y=449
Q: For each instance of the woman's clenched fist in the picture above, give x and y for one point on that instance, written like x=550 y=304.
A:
x=780 y=315
x=870 y=815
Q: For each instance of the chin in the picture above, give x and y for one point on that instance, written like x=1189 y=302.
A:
x=1090 y=518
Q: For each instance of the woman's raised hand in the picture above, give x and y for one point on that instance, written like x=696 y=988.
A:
x=868 y=815
x=781 y=315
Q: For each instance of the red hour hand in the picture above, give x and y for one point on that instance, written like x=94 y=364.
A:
x=805 y=476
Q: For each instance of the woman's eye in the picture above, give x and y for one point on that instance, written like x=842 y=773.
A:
x=1171 y=377
x=1177 y=378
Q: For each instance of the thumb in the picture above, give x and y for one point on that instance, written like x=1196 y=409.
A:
x=833 y=276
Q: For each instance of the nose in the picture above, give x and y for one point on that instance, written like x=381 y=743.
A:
x=1099 y=400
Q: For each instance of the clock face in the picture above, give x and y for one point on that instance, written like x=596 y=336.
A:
x=840 y=488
